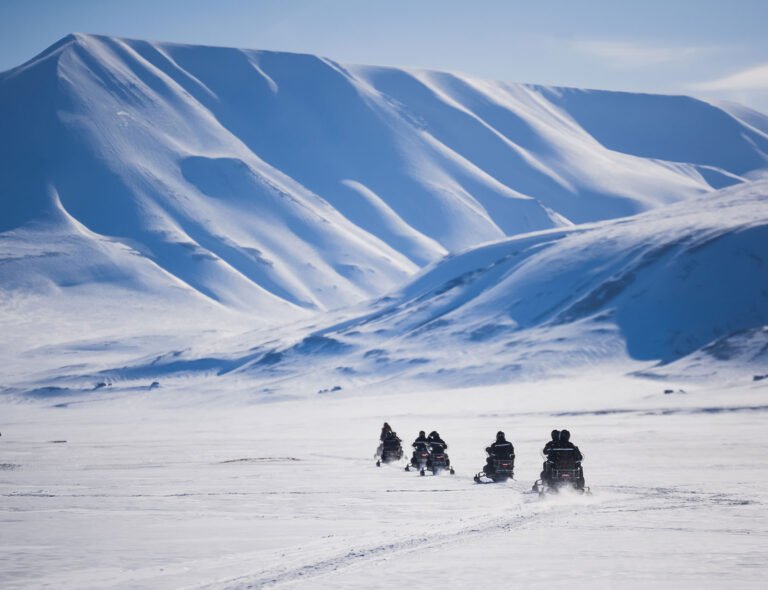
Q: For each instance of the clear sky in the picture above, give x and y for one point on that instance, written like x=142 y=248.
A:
x=710 y=48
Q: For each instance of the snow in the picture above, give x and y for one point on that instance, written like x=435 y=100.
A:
x=667 y=291
x=253 y=176
x=187 y=489
x=221 y=270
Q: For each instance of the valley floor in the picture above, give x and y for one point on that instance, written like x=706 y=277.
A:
x=158 y=490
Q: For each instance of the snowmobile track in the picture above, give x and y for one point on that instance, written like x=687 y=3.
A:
x=529 y=511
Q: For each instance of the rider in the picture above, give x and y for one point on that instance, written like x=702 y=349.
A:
x=391 y=442
x=421 y=443
x=561 y=442
x=565 y=443
x=500 y=449
x=386 y=429
x=548 y=453
x=437 y=445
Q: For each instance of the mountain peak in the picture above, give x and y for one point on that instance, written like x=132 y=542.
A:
x=256 y=175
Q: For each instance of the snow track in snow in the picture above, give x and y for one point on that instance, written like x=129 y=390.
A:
x=308 y=564
x=319 y=564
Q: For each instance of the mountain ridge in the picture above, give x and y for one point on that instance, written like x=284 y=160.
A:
x=273 y=182
x=671 y=291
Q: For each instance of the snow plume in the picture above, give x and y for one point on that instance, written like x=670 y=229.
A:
x=638 y=55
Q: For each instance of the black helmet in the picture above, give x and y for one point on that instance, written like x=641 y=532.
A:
x=434 y=434
x=555 y=435
x=500 y=435
x=421 y=434
x=565 y=436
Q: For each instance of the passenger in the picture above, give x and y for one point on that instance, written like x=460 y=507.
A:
x=559 y=451
x=391 y=440
x=390 y=448
x=565 y=443
x=436 y=443
x=385 y=430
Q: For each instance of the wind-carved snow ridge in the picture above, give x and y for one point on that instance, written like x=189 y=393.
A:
x=160 y=189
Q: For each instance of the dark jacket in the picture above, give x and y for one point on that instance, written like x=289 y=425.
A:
x=437 y=444
x=501 y=449
x=576 y=452
x=391 y=440
x=549 y=446
x=421 y=441
x=558 y=448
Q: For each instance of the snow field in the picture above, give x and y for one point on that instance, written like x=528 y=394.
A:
x=223 y=493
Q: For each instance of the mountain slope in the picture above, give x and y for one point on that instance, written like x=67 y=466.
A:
x=275 y=183
x=684 y=280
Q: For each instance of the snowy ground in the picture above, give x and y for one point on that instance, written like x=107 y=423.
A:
x=189 y=489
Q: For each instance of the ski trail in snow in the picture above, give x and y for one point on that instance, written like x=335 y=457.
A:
x=532 y=512
x=532 y=509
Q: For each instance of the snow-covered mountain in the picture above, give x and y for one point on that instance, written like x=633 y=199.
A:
x=678 y=291
x=151 y=191
x=683 y=284
x=276 y=182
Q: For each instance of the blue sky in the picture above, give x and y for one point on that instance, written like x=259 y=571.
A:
x=711 y=48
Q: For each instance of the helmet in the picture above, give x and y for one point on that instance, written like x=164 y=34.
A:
x=565 y=436
x=499 y=435
x=421 y=434
x=434 y=434
x=555 y=435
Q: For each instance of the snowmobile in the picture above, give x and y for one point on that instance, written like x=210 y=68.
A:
x=438 y=461
x=389 y=451
x=503 y=469
x=561 y=471
x=420 y=459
